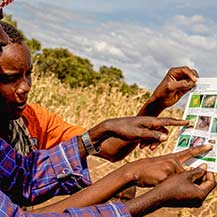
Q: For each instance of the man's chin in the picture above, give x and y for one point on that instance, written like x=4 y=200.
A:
x=16 y=115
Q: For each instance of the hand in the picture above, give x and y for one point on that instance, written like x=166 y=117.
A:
x=136 y=129
x=175 y=84
x=188 y=188
x=152 y=171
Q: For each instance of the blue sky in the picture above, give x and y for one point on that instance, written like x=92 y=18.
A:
x=143 y=38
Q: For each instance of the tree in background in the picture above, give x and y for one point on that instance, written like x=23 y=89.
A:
x=72 y=69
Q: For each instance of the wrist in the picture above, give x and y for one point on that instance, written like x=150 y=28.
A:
x=129 y=174
x=93 y=138
x=153 y=107
x=89 y=146
x=145 y=203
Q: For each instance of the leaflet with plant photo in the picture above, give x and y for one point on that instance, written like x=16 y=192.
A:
x=201 y=111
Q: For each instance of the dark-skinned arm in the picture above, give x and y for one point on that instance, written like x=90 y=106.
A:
x=179 y=190
x=175 y=84
x=142 y=173
x=128 y=129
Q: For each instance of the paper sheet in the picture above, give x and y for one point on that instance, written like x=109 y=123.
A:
x=201 y=111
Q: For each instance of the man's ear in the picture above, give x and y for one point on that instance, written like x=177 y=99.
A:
x=1 y=14
x=4 y=39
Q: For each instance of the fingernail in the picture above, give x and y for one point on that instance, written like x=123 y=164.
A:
x=152 y=147
x=203 y=166
x=163 y=137
x=208 y=146
x=195 y=78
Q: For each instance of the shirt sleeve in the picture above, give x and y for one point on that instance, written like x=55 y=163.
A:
x=48 y=128
x=32 y=179
x=8 y=208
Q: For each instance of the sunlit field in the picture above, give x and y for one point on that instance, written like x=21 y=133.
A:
x=89 y=106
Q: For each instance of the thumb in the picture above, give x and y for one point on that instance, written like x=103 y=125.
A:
x=198 y=172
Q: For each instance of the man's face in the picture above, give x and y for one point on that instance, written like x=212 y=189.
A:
x=15 y=80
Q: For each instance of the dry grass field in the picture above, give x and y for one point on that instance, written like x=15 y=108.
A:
x=89 y=106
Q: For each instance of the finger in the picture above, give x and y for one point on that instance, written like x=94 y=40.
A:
x=209 y=184
x=161 y=122
x=143 y=144
x=182 y=85
x=154 y=135
x=195 y=73
x=154 y=145
x=191 y=73
x=185 y=155
x=197 y=173
x=179 y=167
x=180 y=73
x=204 y=167
x=163 y=130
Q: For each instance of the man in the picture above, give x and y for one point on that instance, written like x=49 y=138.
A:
x=34 y=127
x=15 y=85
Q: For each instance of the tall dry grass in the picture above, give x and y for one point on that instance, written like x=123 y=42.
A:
x=89 y=106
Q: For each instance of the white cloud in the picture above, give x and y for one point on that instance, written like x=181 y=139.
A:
x=143 y=52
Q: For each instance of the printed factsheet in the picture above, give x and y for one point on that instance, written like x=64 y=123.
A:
x=201 y=111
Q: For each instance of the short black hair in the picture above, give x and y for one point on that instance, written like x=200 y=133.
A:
x=14 y=35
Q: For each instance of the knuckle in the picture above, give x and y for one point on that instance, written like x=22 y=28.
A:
x=141 y=133
x=169 y=86
x=185 y=83
x=185 y=68
x=162 y=177
x=172 y=69
x=190 y=152
x=201 y=196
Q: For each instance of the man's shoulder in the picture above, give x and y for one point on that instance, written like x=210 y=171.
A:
x=34 y=109
x=34 y=112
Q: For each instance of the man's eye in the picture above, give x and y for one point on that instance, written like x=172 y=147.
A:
x=8 y=78
x=29 y=72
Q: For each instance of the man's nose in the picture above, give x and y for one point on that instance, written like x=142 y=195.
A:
x=24 y=88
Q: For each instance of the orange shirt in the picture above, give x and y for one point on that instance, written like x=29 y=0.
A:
x=47 y=129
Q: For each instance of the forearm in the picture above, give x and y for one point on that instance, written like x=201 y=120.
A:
x=115 y=149
x=145 y=203
x=152 y=107
x=97 y=193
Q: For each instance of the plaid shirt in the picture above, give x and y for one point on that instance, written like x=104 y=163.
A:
x=44 y=174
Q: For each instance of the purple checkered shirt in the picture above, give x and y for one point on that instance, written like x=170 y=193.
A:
x=44 y=174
